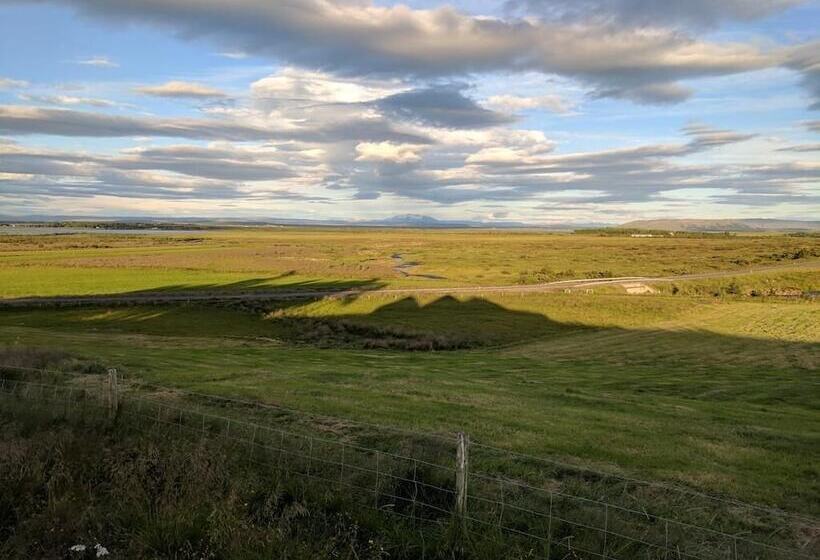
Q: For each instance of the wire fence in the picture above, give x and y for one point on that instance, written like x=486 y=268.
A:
x=537 y=506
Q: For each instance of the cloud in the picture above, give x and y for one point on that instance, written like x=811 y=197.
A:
x=813 y=126
x=8 y=83
x=299 y=85
x=178 y=89
x=500 y=170
x=235 y=55
x=699 y=13
x=498 y=165
x=66 y=100
x=516 y=103
x=65 y=122
x=387 y=151
x=704 y=136
x=801 y=148
x=441 y=106
x=805 y=59
x=361 y=38
x=652 y=94
x=219 y=171
x=98 y=61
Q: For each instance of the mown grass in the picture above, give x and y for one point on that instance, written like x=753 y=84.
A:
x=719 y=394
x=261 y=259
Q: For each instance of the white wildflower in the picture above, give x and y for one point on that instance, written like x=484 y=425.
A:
x=101 y=550
x=77 y=548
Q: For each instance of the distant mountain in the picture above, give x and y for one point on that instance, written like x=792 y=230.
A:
x=752 y=224
x=412 y=220
x=399 y=221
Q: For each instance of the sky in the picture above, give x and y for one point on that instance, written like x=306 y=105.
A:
x=532 y=111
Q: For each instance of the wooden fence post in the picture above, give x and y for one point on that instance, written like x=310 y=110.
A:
x=462 y=474
x=113 y=402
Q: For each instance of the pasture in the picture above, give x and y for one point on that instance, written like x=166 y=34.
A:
x=710 y=384
x=298 y=258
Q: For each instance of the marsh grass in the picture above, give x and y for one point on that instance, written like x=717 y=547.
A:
x=108 y=264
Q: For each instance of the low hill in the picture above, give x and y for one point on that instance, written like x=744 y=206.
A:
x=755 y=224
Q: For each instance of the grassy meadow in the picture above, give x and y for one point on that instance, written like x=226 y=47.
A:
x=295 y=258
x=711 y=384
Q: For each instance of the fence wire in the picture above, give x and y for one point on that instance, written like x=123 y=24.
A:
x=532 y=510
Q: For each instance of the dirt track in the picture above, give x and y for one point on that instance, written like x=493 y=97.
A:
x=205 y=296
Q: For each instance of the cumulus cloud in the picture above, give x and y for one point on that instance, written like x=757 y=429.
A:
x=387 y=151
x=179 y=89
x=361 y=38
x=372 y=101
x=292 y=84
x=515 y=171
x=516 y=103
x=441 y=106
x=706 y=13
x=216 y=171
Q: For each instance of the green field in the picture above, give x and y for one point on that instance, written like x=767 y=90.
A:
x=297 y=258
x=708 y=383
x=712 y=384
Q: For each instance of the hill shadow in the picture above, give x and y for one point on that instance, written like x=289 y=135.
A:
x=448 y=323
x=272 y=284
x=255 y=289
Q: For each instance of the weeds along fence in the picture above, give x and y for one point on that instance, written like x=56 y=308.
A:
x=540 y=508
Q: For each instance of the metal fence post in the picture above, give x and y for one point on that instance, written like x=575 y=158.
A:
x=462 y=473
x=113 y=403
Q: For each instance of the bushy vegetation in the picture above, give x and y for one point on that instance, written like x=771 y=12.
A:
x=761 y=285
x=544 y=275
x=65 y=487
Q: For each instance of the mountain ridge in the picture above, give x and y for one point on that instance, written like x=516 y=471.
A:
x=731 y=224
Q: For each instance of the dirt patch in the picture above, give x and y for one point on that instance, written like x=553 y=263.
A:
x=637 y=288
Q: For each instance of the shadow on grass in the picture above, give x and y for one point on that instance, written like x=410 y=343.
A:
x=271 y=284
x=446 y=323
x=253 y=289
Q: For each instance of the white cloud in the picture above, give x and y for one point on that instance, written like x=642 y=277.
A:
x=642 y=63
x=235 y=55
x=8 y=83
x=387 y=152
x=180 y=89
x=516 y=103
x=98 y=61
x=299 y=85
x=67 y=100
